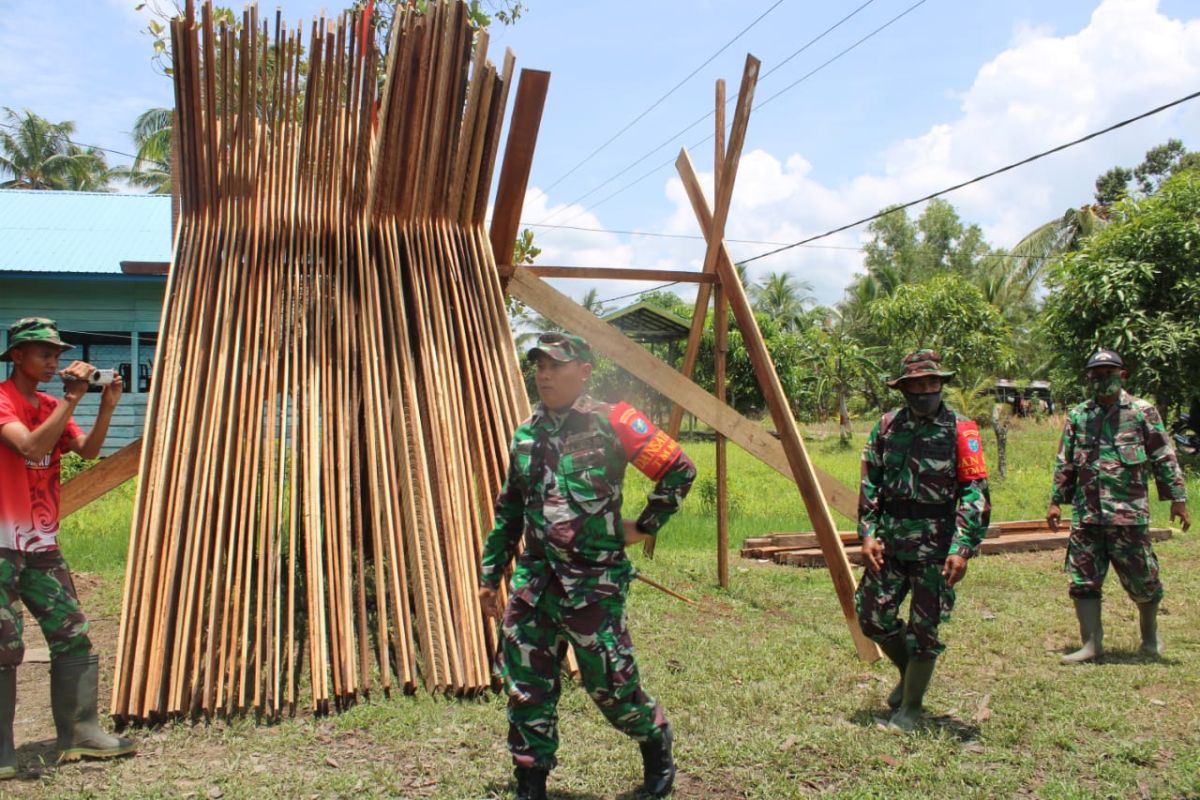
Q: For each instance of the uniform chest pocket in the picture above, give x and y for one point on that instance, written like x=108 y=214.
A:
x=523 y=459
x=1131 y=450
x=585 y=477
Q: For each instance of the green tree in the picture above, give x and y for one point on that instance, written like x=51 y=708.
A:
x=1135 y=287
x=839 y=363
x=947 y=313
x=151 y=168
x=782 y=296
x=1159 y=163
x=38 y=154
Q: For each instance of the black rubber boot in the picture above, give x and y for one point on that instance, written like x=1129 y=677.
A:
x=74 y=682
x=896 y=649
x=8 y=708
x=1091 y=631
x=1148 y=620
x=916 y=681
x=658 y=765
x=531 y=783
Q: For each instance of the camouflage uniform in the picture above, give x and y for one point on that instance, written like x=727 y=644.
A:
x=1101 y=470
x=563 y=494
x=42 y=581
x=916 y=499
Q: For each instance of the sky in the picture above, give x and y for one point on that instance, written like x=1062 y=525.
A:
x=860 y=104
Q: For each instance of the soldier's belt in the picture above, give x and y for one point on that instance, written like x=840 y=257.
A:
x=908 y=509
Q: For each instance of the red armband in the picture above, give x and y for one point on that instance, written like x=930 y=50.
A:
x=649 y=449
x=971 y=466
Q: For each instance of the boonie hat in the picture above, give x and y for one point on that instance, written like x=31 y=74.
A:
x=1105 y=358
x=561 y=347
x=33 y=329
x=920 y=364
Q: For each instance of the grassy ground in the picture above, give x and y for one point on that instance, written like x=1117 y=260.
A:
x=761 y=683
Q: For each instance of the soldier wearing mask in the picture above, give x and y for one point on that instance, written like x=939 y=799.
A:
x=1109 y=444
x=923 y=509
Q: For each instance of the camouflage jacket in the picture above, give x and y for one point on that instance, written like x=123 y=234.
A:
x=563 y=492
x=1103 y=460
x=924 y=490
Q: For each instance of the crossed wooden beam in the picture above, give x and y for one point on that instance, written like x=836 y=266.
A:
x=718 y=281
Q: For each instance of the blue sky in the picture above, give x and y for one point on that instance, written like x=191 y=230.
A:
x=950 y=90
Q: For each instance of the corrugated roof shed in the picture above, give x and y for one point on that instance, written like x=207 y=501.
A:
x=53 y=231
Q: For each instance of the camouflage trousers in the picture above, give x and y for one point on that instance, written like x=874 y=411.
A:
x=880 y=594
x=1127 y=547
x=533 y=644
x=42 y=582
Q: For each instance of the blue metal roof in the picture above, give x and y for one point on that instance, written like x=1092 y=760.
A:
x=53 y=231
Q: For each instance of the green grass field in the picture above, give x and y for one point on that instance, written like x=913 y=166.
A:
x=761 y=682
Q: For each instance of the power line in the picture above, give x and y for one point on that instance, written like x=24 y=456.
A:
x=660 y=100
x=696 y=122
x=775 y=96
x=12 y=127
x=698 y=237
x=983 y=177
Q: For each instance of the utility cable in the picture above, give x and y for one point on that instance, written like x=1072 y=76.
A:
x=697 y=121
x=660 y=100
x=979 y=178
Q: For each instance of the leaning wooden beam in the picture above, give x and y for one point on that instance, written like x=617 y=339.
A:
x=518 y=161
x=645 y=366
x=100 y=479
x=801 y=467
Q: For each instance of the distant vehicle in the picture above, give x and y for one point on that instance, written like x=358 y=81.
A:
x=1023 y=401
x=1184 y=431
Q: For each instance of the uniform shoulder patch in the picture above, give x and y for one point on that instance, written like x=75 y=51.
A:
x=971 y=465
x=651 y=451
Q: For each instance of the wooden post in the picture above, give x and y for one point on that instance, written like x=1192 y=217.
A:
x=518 y=161
x=785 y=424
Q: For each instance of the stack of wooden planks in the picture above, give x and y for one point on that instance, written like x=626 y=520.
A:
x=802 y=549
x=336 y=377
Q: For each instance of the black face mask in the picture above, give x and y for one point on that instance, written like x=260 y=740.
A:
x=923 y=404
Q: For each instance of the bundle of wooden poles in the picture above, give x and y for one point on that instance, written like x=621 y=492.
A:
x=336 y=381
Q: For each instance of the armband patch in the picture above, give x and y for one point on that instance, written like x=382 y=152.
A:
x=971 y=466
x=651 y=451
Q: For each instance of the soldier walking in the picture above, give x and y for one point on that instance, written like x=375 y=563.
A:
x=923 y=509
x=1108 y=445
x=563 y=495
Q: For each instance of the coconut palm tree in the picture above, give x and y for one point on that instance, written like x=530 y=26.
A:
x=151 y=169
x=39 y=154
x=1030 y=257
x=839 y=363
x=782 y=297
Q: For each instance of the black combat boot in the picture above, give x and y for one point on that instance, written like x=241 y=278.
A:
x=73 y=693
x=8 y=707
x=531 y=783
x=658 y=767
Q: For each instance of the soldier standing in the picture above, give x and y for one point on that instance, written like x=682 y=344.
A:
x=923 y=508
x=563 y=494
x=1108 y=445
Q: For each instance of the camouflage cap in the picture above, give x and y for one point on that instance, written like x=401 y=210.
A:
x=920 y=364
x=1105 y=358
x=561 y=347
x=33 y=329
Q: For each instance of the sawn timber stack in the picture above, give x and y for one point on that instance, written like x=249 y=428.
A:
x=336 y=379
x=801 y=549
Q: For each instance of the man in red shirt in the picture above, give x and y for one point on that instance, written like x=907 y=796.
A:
x=35 y=430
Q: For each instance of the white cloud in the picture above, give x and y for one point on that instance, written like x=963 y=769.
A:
x=1042 y=91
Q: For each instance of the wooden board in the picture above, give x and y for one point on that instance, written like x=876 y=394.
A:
x=100 y=479
x=1010 y=543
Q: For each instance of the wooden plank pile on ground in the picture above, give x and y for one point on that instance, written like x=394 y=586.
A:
x=802 y=549
x=336 y=381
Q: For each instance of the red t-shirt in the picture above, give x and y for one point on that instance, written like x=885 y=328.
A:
x=28 y=490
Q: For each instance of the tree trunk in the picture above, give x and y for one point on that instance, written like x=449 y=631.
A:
x=1000 y=426
x=843 y=417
